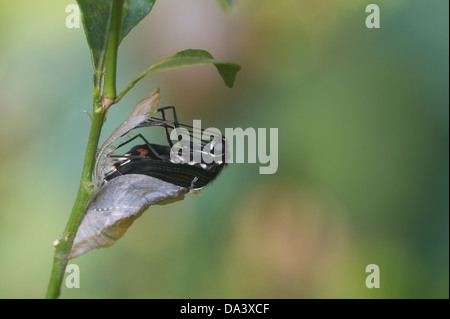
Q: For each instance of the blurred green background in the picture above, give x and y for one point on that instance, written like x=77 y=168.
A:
x=363 y=151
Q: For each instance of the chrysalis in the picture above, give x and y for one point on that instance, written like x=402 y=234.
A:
x=143 y=111
x=127 y=184
x=115 y=206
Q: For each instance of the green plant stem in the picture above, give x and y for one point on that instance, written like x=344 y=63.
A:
x=100 y=107
x=64 y=244
x=109 y=90
x=130 y=86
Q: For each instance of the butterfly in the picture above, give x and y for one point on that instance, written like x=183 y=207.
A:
x=148 y=173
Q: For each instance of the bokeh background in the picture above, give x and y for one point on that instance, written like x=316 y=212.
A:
x=363 y=151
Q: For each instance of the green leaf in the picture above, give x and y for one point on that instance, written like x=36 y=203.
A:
x=134 y=12
x=96 y=18
x=188 y=58
x=191 y=57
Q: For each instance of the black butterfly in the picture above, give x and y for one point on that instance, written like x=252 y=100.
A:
x=158 y=160
x=148 y=174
